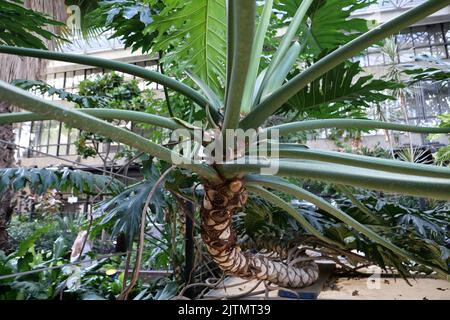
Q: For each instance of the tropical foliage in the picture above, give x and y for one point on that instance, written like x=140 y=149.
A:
x=339 y=95
x=238 y=90
x=109 y=91
x=34 y=273
x=331 y=23
x=24 y=27
x=41 y=180
x=443 y=154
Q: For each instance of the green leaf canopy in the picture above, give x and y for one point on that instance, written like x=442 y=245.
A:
x=339 y=93
x=24 y=27
x=329 y=22
x=196 y=35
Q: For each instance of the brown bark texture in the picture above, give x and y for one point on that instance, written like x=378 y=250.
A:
x=220 y=203
x=11 y=68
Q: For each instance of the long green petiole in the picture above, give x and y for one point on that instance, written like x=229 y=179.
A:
x=243 y=28
x=395 y=166
x=299 y=193
x=437 y=188
x=107 y=114
x=285 y=44
x=277 y=201
x=266 y=108
x=257 y=50
x=284 y=129
x=117 y=66
x=77 y=119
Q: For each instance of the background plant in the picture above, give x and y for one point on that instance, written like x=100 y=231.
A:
x=247 y=102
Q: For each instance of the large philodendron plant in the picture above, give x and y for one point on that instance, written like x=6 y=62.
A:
x=250 y=98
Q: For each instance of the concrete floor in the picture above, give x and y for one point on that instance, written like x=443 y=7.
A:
x=355 y=289
x=387 y=289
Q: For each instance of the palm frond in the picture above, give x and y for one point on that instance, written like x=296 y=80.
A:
x=88 y=123
x=300 y=193
x=270 y=105
x=436 y=188
x=244 y=25
x=41 y=180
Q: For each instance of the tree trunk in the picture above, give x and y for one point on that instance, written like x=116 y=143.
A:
x=6 y=161
x=219 y=204
x=12 y=68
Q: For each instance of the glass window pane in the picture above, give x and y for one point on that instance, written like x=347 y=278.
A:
x=79 y=76
x=420 y=36
x=404 y=40
x=25 y=135
x=439 y=52
x=54 y=132
x=406 y=56
x=447 y=32
x=74 y=133
x=445 y=99
x=375 y=59
x=59 y=82
x=423 y=51
x=52 y=150
x=435 y=32
x=42 y=149
x=72 y=150
x=62 y=150
x=34 y=139
x=432 y=105
x=69 y=81
x=415 y=110
x=43 y=139
x=64 y=135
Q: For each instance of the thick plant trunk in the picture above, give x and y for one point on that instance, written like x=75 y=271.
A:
x=219 y=204
x=6 y=161
x=12 y=68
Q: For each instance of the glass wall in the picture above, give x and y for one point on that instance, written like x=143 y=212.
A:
x=55 y=138
x=425 y=101
x=381 y=5
x=432 y=40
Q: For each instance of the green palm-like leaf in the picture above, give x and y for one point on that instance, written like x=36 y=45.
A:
x=330 y=22
x=243 y=28
x=126 y=19
x=437 y=188
x=270 y=105
x=277 y=201
x=126 y=208
x=40 y=180
x=197 y=32
x=339 y=93
x=281 y=185
x=24 y=27
x=88 y=28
